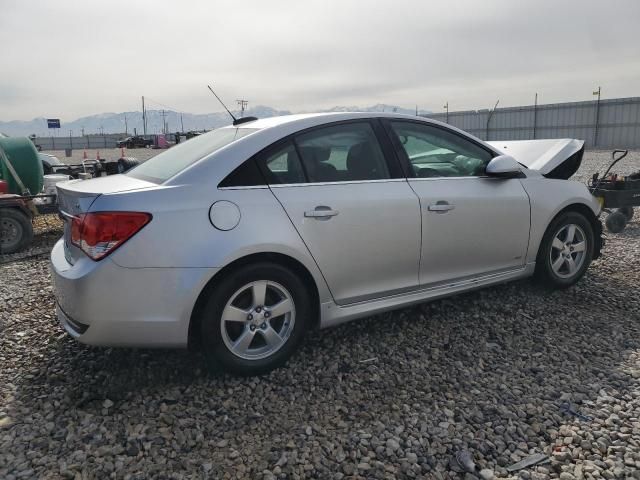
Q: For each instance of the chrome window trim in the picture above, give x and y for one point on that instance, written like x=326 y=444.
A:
x=418 y=179
x=248 y=187
x=348 y=182
x=308 y=184
x=354 y=182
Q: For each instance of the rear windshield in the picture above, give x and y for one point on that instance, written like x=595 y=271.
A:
x=164 y=166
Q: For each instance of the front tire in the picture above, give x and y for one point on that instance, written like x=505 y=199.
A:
x=566 y=251
x=254 y=319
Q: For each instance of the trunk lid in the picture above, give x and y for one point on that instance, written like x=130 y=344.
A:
x=553 y=158
x=76 y=197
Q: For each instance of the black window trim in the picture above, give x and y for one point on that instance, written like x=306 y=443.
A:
x=225 y=180
x=402 y=156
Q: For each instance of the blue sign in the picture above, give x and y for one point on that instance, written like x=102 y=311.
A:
x=53 y=122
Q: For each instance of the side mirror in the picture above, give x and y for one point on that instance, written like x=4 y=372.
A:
x=504 y=166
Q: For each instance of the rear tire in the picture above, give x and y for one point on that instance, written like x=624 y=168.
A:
x=267 y=310
x=566 y=251
x=16 y=230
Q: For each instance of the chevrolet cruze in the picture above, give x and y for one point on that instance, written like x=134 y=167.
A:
x=241 y=240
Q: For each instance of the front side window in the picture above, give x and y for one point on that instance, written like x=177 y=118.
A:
x=342 y=153
x=435 y=152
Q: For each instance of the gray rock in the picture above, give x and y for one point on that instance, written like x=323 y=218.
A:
x=392 y=444
x=486 y=474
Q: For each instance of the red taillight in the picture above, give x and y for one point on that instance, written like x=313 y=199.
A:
x=100 y=233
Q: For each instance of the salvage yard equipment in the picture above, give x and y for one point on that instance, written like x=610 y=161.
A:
x=618 y=194
x=96 y=168
x=26 y=192
x=23 y=173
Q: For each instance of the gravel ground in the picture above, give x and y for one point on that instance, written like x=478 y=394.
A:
x=47 y=230
x=392 y=396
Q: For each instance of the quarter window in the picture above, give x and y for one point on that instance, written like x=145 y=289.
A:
x=282 y=165
x=435 y=152
x=246 y=175
x=342 y=153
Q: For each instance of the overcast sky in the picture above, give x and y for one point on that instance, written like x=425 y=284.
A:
x=72 y=58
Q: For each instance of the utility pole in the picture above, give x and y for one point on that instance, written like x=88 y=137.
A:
x=126 y=128
x=446 y=107
x=242 y=104
x=535 y=115
x=416 y=110
x=181 y=124
x=144 y=118
x=164 y=124
x=595 y=132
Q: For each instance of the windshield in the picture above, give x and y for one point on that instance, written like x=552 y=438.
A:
x=164 y=166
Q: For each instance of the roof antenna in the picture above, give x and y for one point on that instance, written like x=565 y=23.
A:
x=236 y=121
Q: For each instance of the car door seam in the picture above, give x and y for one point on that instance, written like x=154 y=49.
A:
x=303 y=242
x=526 y=255
x=421 y=231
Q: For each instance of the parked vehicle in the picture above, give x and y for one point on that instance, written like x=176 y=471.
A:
x=242 y=239
x=134 y=142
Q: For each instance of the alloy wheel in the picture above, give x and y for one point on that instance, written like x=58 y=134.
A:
x=568 y=251
x=258 y=320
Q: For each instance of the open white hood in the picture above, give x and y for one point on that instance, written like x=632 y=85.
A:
x=553 y=158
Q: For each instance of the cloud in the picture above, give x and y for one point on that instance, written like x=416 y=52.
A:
x=70 y=58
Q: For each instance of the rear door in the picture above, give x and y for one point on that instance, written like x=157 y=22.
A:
x=352 y=207
x=472 y=225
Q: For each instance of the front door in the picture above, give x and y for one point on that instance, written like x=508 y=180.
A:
x=360 y=224
x=472 y=225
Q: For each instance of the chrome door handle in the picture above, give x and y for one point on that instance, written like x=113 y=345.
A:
x=441 y=207
x=321 y=213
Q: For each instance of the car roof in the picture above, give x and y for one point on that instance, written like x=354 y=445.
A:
x=288 y=124
x=320 y=118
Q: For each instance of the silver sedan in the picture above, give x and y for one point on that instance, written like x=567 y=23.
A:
x=241 y=240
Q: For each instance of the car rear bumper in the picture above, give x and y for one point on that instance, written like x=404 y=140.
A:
x=101 y=303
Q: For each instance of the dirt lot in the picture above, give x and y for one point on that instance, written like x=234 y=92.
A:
x=392 y=396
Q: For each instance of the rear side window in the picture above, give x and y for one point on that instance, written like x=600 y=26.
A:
x=164 y=166
x=342 y=153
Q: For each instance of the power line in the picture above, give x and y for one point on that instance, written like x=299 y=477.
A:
x=242 y=104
